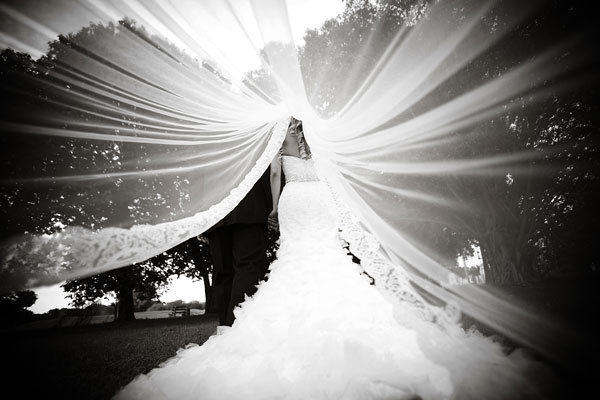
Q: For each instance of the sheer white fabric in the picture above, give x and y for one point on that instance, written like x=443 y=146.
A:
x=174 y=129
x=317 y=330
x=75 y=251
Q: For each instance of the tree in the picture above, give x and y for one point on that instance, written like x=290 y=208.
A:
x=144 y=282
x=522 y=213
x=38 y=88
x=522 y=209
x=13 y=307
x=192 y=258
x=42 y=93
x=128 y=284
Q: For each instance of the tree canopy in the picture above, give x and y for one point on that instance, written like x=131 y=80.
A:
x=529 y=218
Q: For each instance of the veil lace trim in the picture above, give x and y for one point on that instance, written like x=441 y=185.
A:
x=75 y=252
x=391 y=280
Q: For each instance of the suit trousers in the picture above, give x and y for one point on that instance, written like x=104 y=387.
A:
x=239 y=253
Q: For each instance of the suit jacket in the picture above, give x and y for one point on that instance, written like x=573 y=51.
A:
x=255 y=207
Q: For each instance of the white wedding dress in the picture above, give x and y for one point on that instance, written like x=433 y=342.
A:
x=317 y=329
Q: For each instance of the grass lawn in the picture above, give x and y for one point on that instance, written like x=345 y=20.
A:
x=93 y=361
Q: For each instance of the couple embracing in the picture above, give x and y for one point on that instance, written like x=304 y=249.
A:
x=317 y=329
x=238 y=242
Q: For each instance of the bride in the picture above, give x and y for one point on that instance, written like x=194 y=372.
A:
x=317 y=329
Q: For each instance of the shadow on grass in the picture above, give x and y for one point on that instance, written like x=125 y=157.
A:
x=572 y=305
x=94 y=361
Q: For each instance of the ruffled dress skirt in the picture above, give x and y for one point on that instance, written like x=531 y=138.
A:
x=317 y=329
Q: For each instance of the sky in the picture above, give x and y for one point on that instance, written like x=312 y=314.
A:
x=32 y=26
x=28 y=25
x=182 y=288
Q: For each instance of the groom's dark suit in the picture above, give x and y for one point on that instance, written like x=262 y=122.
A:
x=238 y=246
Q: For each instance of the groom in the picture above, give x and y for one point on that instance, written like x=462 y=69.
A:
x=238 y=245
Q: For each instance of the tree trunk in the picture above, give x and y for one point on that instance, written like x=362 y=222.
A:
x=210 y=305
x=125 y=305
x=504 y=264
x=491 y=263
x=500 y=236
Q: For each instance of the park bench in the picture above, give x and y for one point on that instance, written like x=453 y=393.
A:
x=183 y=311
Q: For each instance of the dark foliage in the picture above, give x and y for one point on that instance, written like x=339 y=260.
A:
x=13 y=308
x=531 y=218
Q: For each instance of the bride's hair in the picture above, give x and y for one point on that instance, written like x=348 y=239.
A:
x=298 y=132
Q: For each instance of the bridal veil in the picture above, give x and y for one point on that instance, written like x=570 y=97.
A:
x=152 y=119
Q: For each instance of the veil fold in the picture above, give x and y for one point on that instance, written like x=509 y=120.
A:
x=144 y=128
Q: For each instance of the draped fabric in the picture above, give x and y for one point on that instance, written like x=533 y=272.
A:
x=130 y=137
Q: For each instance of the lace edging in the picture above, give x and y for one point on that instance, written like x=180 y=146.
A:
x=391 y=280
x=75 y=252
